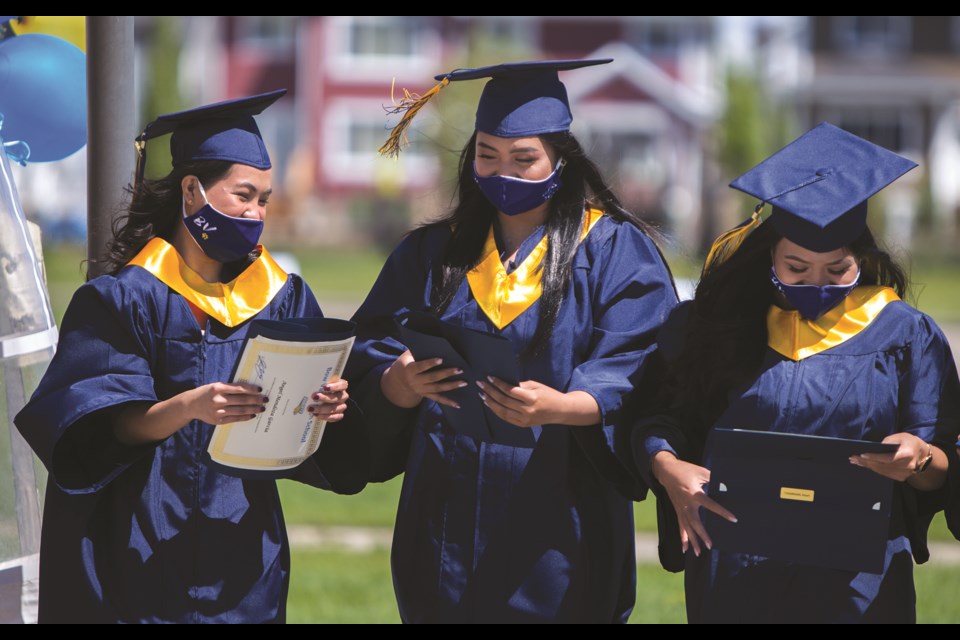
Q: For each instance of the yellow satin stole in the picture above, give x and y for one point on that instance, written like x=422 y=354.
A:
x=502 y=296
x=795 y=337
x=230 y=303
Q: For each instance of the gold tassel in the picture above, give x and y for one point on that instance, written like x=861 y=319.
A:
x=409 y=106
x=141 y=145
x=729 y=241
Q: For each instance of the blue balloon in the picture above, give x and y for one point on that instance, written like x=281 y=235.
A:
x=43 y=95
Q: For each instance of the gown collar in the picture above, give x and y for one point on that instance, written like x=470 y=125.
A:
x=795 y=337
x=230 y=303
x=523 y=250
x=504 y=296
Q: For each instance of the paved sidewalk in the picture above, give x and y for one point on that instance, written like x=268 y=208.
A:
x=367 y=539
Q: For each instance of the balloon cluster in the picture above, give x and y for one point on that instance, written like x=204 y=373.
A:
x=43 y=96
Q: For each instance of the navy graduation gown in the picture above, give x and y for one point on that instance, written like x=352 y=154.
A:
x=492 y=533
x=152 y=533
x=895 y=375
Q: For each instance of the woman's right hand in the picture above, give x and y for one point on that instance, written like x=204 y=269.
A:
x=683 y=483
x=223 y=403
x=137 y=423
x=407 y=381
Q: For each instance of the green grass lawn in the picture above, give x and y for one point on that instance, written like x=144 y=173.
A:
x=340 y=586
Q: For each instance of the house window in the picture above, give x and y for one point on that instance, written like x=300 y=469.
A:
x=667 y=38
x=872 y=35
x=353 y=132
x=275 y=34
x=897 y=129
x=389 y=36
x=627 y=141
x=377 y=47
x=517 y=31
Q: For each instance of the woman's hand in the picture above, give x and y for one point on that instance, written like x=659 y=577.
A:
x=223 y=403
x=684 y=485
x=218 y=403
x=332 y=401
x=407 y=381
x=902 y=465
x=533 y=403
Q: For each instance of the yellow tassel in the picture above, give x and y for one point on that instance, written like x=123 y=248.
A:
x=729 y=241
x=141 y=146
x=408 y=106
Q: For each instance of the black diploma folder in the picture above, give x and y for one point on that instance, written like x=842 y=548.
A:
x=478 y=354
x=798 y=499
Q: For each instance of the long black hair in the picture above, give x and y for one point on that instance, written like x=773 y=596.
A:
x=583 y=186
x=726 y=335
x=155 y=207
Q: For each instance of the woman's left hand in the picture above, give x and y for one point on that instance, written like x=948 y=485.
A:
x=331 y=401
x=899 y=465
x=526 y=404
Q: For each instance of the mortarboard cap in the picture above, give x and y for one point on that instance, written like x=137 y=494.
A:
x=520 y=99
x=819 y=185
x=221 y=131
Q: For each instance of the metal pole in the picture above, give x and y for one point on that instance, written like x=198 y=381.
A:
x=111 y=128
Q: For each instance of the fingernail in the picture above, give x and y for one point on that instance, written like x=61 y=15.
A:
x=483 y=396
x=439 y=360
x=326 y=387
x=734 y=520
x=261 y=410
x=456 y=406
x=490 y=378
x=480 y=384
x=265 y=399
x=259 y=389
x=709 y=545
x=696 y=552
x=461 y=385
x=458 y=371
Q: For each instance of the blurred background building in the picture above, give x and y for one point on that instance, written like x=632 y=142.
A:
x=688 y=104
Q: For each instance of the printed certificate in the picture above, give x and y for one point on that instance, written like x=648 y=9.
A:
x=290 y=372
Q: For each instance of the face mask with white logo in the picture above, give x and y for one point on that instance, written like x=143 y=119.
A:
x=223 y=238
x=513 y=196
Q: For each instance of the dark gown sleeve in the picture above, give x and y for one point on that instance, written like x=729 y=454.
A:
x=342 y=463
x=663 y=426
x=631 y=294
x=103 y=360
x=403 y=285
x=930 y=409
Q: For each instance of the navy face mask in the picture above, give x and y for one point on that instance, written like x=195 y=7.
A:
x=223 y=238
x=513 y=196
x=810 y=300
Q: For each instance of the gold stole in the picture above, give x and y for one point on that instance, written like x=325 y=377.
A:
x=795 y=337
x=503 y=297
x=230 y=303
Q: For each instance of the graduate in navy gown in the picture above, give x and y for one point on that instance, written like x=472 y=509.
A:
x=137 y=526
x=798 y=325
x=539 y=250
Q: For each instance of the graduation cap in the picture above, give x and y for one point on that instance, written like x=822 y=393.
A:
x=520 y=99
x=818 y=185
x=220 y=131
